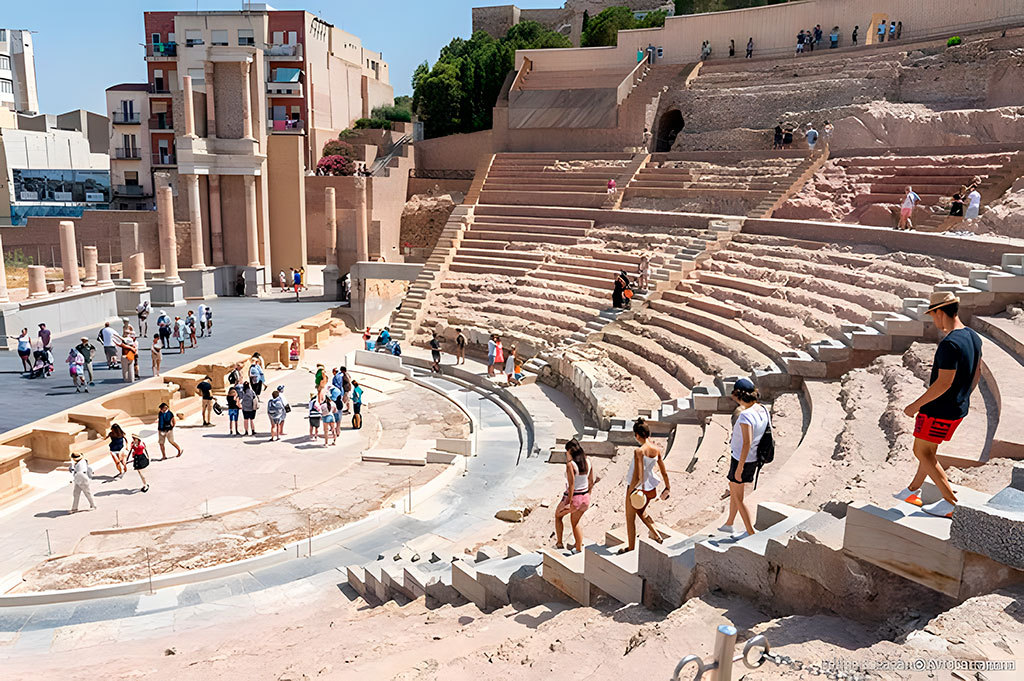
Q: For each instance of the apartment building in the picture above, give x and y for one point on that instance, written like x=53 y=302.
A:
x=131 y=171
x=18 y=71
x=221 y=86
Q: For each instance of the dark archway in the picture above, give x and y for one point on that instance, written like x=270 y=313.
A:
x=669 y=126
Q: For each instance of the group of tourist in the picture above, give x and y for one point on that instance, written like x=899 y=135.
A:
x=938 y=412
x=965 y=203
x=810 y=38
x=295 y=280
x=784 y=133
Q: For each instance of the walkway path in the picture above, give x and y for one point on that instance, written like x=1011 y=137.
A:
x=23 y=400
x=464 y=508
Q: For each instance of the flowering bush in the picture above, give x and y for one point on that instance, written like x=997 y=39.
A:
x=336 y=165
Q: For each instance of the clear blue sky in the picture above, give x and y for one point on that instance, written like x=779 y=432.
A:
x=84 y=47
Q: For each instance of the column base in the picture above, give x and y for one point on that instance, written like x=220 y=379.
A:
x=128 y=300
x=167 y=293
x=200 y=284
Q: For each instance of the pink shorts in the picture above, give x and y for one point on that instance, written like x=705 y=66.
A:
x=578 y=502
x=905 y=212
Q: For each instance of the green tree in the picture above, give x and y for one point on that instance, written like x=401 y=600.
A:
x=603 y=29
x=458 y=93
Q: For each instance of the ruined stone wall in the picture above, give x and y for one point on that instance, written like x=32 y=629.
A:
x=495 y=21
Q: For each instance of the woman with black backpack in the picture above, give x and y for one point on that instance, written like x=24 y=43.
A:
x=752 y=422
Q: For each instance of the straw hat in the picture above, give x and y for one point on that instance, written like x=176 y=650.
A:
x=75 y=456
x=941 y=299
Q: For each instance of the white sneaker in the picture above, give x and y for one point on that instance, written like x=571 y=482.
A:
x=740 y=535
x=911 y=496
x=941 y=508
x=726 y=528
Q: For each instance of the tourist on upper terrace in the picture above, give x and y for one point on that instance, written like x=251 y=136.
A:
x=826 y=133
x=856 y=31
x=750 y=47
x=892 y=30
x=576 y=498
x=833 y=38
x=732 y=48
x=800 y=38
x=460 y=347
x=818 y=35
x=611 y=186
x=881 y=31
x=642 y=487
x=81 y=477
x=955 y=374
x=910 y=199
x=751 y=424
x=645 y=140
x=899 y=29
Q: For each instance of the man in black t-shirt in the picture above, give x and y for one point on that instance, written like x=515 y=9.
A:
x=955 y=374
x=205 y=389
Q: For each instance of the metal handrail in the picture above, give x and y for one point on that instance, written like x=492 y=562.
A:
x=380 y=164
x=725 y=642
x=632 y=79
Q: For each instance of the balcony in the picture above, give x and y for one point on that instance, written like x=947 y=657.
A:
x=161 y=51
x=165 y=123
x=128 y=154
x=284 y=52
x=122 y=118
x=164 y=159
x=284 y=88
x=159 y=89
x=130 y=190
x=286 y=126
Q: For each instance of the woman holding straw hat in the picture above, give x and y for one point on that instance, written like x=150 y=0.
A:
x=643 y=484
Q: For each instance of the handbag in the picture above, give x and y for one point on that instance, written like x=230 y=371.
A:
x=217 y=409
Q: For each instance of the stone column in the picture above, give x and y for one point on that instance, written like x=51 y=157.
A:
x=195 y=212
x=251 y=241
x=103 y=274
x=168 y=240
x=69 y=256
x=211 y=110
x=216 y=231
x=246 y=102
x=190 y=112
x=331 y=226
x=362 y=238
x=90 y=257
x=3 y=275
x=137 y=271
x=129 y=242
x=37 y=281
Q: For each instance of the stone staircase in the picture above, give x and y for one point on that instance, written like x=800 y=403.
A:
x=797 y=179
x=406 y=319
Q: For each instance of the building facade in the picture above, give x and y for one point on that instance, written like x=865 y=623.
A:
x=131 y=171
x=221 y=86
x=18 y=71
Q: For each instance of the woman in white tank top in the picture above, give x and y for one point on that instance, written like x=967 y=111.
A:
x=643 y=480
x=576 y=499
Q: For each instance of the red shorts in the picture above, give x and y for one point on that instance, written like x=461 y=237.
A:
x=934 y=430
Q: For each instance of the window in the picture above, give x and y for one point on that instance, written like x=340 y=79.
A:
x=193 y=37
x=219 y=37
x=293 y=37
x=279 y=37
x=3 y=35
x=131 y=178
x=155 y=38
x=246 y=37
x=6 y=86
x=198 y=76
x=5 y=63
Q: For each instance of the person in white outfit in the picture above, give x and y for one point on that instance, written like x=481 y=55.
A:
x=81 y=475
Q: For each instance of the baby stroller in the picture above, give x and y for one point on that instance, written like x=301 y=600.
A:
x=42 y=365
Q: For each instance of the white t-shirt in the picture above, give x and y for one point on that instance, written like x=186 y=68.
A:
x=911 y=199
x=974 y=199
x=107 y=336
x=757 y=418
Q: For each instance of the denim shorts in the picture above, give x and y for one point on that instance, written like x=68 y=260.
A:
x=232 y=414
x=328 y=418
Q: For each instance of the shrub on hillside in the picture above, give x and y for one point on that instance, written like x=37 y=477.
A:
x=392 y=113
x=955 y=40
x=372 y=123
x=336 y=165
x=338 y=148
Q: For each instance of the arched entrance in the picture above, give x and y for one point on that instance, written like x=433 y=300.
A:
x=669 y=126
